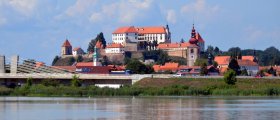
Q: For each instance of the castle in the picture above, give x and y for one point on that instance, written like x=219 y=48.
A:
x=138 y=39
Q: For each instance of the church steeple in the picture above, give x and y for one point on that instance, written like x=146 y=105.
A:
x=193 y=39
x=193 y=32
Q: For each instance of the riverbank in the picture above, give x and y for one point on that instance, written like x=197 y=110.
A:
x=157 y=87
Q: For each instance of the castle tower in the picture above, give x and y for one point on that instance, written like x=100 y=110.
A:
x=66 y=48
x=168 y=34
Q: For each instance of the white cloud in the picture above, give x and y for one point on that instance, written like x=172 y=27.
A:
x=200 y=8
x=171 y=16
x=96 y=17
x=80 y=7
x=24 y=7
x=123 y=11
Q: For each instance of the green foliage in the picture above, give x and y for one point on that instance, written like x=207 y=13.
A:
x=180 y=60
x=71 y=61
x=244 y=72
x=56 y=58
x=159 y=56
x=138 y=68
x=76 y=82
x=29 y=81
x=50 y=82
x=233 y=64
x=230 y=77
x=92 y=43
x=200 y=62
x=79 y=58
x=203 y=69
x=4 y=91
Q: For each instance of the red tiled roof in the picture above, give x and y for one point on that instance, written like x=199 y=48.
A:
x=114 y=45
x=140 y=30
x=98 y=44
x=246 y=63
x=121 y=30
x=175 y=45
x=76 y=48
x=66 y=44
x=222 y=60
x=251 y=58
x=167 y=66
x=81 y=64
x=199 y=38
x=151 y=30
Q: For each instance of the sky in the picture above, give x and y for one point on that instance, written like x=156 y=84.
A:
x=36 y=29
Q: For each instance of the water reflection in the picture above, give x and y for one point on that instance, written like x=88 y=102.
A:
x=130 y=108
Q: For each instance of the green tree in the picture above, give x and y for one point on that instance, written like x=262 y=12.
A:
x=29 y=81
x=244 y=72
x=79 y=58
x=92 y=43
x=233 y=64
x=137 y=67
x=200 y=62
x=70 y=61
x=230 y=77
x=105 y=61
x=76 y=82
x=203 y=69
x=56 y=58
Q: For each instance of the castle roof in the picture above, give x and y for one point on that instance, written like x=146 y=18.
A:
x=151 y=30
x=251 y=58
x=66 y=44
x=114 y=45
x=140 y=30
x=127 y=29
x=246 y=63
x=76 y=48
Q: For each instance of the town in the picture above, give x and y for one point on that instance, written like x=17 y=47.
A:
x=152 y=48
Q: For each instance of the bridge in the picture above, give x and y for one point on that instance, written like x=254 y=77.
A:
x=17 y=71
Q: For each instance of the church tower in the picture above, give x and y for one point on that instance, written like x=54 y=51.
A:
x=66 y=48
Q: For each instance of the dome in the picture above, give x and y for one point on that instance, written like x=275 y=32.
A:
x=193 y=41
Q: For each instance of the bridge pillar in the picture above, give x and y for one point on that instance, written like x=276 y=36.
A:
x=2 y=64
x=14 y=64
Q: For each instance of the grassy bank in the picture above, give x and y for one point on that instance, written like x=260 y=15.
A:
x=156 y=87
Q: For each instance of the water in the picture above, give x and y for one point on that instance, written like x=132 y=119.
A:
x=135 y=108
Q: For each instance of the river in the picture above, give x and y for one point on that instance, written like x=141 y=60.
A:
x=135 y=108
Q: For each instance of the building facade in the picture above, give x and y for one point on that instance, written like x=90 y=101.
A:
x=141 y=35
x=114 y=48
x=78 y=51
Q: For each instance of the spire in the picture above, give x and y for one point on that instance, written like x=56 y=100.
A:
x=193 y=32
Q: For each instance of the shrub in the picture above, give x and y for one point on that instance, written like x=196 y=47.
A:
x=230 y=77
x=29 y=81
x=50 y=82
x=76 y=82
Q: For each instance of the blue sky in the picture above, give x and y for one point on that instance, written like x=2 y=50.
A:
x=37 y=28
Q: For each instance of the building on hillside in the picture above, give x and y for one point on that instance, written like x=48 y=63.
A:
x=222 y=61
x=141 y=35
x=66 y=48
x=197 y=39
x=185 y=50
x=114 y=48
x=78 y=51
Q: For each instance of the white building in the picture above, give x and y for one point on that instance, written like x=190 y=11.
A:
x=133 y=34
x=114 y=48
x=251 y=67
x=77 y=51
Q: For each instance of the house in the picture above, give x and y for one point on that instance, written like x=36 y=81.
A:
x=247 y=62
x=78 y=51
x=251 y=67
x=189 y=70
x=171 y=66
x=114 y=48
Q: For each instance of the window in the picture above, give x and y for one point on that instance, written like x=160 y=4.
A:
x=192 y=51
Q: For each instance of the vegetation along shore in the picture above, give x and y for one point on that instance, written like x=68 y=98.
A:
x=152 y=87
